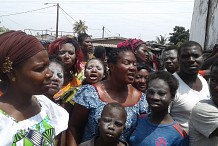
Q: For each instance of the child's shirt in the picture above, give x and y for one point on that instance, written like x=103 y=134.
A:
x=149 y=134
x=91 y=142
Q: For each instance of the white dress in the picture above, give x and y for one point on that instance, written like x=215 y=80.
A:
x=39 y=130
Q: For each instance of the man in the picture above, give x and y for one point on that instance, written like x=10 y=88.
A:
x=170 y=60
x=192 y=86
x=204 y=118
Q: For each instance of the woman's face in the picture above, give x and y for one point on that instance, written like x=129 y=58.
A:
x=87 y=45
x=67 y=53
x=33 y=75
x=158 y=95
x=142 y=54
x=125 y=69
x=140 y=80
x=94 y=71
x=57 y=78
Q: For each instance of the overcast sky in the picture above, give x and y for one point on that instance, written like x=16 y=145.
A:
x=144 y=19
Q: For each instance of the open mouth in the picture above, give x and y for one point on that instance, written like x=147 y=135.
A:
x=93 y=76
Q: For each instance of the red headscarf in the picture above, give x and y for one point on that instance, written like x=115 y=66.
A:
x=130 y=43
x=17 y=46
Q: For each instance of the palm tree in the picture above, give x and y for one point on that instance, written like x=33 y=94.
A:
x=80 y=27
x=161 y=40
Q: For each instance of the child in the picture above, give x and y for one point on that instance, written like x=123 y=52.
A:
x=94 y=71
x=158 y=127
x=111 y=125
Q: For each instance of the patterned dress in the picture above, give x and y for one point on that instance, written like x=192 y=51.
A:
x=39 y=130
x=88 y=97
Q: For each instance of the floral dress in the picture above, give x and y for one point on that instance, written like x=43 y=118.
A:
x=88 y=97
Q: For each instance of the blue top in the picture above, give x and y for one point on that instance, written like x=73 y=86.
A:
x=149 y=134
x=88 y=97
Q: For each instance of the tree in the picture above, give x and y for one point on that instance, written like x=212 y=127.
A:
x=161 y=40
x=80 y=27
x=3 y=29
x=179 y=35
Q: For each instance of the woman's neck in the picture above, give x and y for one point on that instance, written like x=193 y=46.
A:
x=162 y=117
x=115 y=86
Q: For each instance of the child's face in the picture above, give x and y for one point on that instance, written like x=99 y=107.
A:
x=112 y=124
x=158 y=95
x=94 y=71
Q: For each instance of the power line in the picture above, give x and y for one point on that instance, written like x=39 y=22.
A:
x=26 y=11
x=67 y=14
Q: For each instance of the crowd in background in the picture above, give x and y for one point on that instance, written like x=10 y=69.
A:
x=70 y=93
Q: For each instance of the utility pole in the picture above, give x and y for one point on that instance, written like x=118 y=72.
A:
x=57 y=20
x=103 y=32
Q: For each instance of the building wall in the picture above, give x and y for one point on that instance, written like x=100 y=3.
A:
x=204 y=25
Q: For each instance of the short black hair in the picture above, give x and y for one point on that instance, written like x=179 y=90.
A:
x=141 y=66
x=189 y=44
x=114 y=105
x=167 y=77
x=171 y=47
x=113 y=54
x=57 y=59
x=82 y=37
x=99 y=51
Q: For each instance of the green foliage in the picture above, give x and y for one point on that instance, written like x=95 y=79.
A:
x=179 y=36
x=80 y=27
x=3 y=29
x=162 y=40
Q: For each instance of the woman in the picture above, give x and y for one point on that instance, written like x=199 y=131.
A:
x=91 y=99
x=158 y=127
x=142 y=53
x=141 y=76
x=67 y=49
x=27 y=118
x=86 y=47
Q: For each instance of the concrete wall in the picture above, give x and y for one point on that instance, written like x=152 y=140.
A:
x=204 y=26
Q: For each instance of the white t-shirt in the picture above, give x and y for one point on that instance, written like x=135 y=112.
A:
x=40 y=129
x=203 y=121
x=185 y=99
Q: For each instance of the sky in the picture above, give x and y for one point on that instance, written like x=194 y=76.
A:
x=143 y=19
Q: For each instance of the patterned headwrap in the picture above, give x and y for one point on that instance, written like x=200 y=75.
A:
x=130 y=43
x=15 y=47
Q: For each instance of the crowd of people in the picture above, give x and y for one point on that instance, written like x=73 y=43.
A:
x=73 y=94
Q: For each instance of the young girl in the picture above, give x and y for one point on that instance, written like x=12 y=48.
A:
x=27 y=118
x=94 y=71
x=158 y=127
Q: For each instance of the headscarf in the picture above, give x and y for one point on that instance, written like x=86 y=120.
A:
x=130 y=43
x=16 y=47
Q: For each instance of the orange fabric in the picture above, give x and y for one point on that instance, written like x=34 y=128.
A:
x=202 y=72
x=74 y=83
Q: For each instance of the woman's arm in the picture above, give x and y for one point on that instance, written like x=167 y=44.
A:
x=76 y=125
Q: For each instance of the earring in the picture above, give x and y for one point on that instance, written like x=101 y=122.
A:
x=13 y=79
